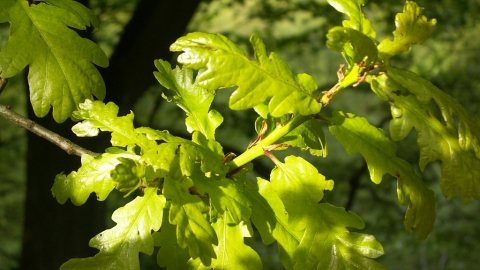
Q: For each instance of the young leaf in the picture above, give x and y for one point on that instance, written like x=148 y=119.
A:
x=327 y=243
x=412 y=28
x=353 y=9
x=119 y=246
x=298 y=183
x=225 y=65
x=355 y=46
x=356 y=134
x=186 y=212
x=170 y=255
x=61 y=72
x=128 y=174
x=271 y=219
x=93 y=176
x=193 y=99
x=232 y=253
x=98 y=116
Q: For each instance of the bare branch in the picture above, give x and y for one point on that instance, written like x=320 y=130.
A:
x=65 y=144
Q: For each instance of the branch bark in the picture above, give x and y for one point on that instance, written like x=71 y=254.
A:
x=65 y=144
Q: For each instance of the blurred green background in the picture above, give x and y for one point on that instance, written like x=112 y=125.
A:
x=295 y=29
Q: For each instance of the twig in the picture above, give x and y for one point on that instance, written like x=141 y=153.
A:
x=65 y=144
x=3 y=83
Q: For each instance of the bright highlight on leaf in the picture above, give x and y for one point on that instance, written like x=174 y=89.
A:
x=412 y=28
x=119 y=246
x=269 y=77
x=193 y=99
x=61 y=63
x=353 y=9
x=98 y=116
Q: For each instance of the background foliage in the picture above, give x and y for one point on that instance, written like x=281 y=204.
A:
x=296 y=31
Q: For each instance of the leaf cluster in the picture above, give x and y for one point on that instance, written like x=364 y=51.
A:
x=194 y=201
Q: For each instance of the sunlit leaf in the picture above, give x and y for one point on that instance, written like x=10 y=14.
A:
x=298 y=183
x=93 y=176
x=193 y=99
x=356 y=134
x=327 y=244
x=224 y=64
x=170 y=255
x=412 y=28
x=186 y=212
x=271 y=219
x=232 y=252
x=61 y=63
x=120 y=246
x=353 y=9
x=98 y=116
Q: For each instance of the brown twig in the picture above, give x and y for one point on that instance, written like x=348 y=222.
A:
x=3 y=83
x=65 y=144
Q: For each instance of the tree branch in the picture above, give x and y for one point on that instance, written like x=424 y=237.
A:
x=65 y=144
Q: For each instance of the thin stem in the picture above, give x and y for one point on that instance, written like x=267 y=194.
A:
x=65 y=144
x=257 y=150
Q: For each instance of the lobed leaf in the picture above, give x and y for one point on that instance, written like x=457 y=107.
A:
x=224 y=64
x=62 y=72
x=298 y=183
x=170 y=255
x=271 y=219
x=232 y=252
x=93 y=176
x=98 y=116
x=356 y=47
x=226 y=196
x=189 y=96
x=412 y=28
x=186 y=212
x=353 y=9
x=437 y=141
x=465 y=126
x=356 y=134
x=326 y=243
x=119 y=246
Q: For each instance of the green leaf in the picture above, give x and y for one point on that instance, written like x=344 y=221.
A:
x=226 y=196
x=271 y=219
x=170 y=255
x=232 y=252
x=93 y=176
x=356 y=134
x=356 y=47
x=425 y=91
x=224 y=64
x=353 y=9
x=119 y=246
x=98 y=116
x=62 y=72
x=437 y=141
x=327 y=244
x=193 y=99
x=186 y=212
x=307 y=136
x=298 y=183
x=412 y=28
